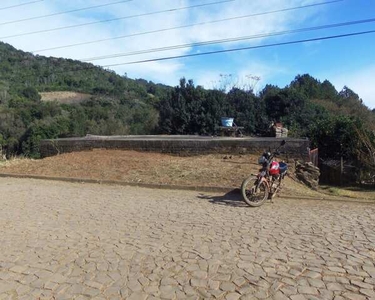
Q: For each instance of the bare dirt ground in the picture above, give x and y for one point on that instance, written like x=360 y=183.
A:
x=216 y=170
x=65 y=97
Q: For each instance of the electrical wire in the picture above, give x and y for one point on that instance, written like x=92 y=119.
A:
x=91 y=66
x=21 y=4
x=242 y=48
x=64 y=12
x=227 y=40
x=116 y=19
x=183 y=26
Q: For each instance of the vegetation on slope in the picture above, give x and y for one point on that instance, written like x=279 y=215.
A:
x=336 y=121
x=118 y=105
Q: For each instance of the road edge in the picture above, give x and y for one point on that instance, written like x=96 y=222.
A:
x=211 y=189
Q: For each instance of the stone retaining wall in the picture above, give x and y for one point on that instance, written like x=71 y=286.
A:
x=181 y=145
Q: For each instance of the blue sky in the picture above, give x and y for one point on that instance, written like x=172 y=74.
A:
x=347 y=61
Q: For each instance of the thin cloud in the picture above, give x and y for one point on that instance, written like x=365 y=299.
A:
x=166 y=72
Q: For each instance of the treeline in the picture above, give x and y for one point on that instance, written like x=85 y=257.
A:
x=335 y=121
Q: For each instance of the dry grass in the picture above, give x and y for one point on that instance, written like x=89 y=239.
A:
x=350 y=192
x=65 y=97
x=131 y=166
x=12 y=162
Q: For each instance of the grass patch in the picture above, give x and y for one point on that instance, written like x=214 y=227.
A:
x=334 y=191
x=349 y=192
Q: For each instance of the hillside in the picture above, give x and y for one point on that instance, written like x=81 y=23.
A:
x=20 y=69
x=44 y=97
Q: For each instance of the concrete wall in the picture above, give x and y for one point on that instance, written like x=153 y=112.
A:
x=181 y=145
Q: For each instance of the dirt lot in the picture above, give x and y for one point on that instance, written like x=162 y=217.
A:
x=65 y=97
x=131 y=166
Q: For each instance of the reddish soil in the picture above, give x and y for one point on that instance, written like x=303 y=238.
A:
x=131 y=166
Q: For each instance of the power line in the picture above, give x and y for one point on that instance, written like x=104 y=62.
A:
x=243 y=48
x=227 y=40
x=184 y=26
x=91 y=66
x=63 y=12
x=116 y=19
x=18 y=5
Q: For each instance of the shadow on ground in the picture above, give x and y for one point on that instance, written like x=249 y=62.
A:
x=232 y=198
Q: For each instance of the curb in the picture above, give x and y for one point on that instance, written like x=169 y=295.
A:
x=211 y=189
x=124 y=183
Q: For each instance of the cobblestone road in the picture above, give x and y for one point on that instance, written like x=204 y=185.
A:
x=79 y=241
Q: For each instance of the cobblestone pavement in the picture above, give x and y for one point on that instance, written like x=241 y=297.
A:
x=81 y=241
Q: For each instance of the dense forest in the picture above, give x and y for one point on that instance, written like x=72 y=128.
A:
x=335 y=121
x=118 y=105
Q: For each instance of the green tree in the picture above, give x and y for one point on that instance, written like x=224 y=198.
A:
x=243 y=108
x=31 y=93
x=174 y=111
